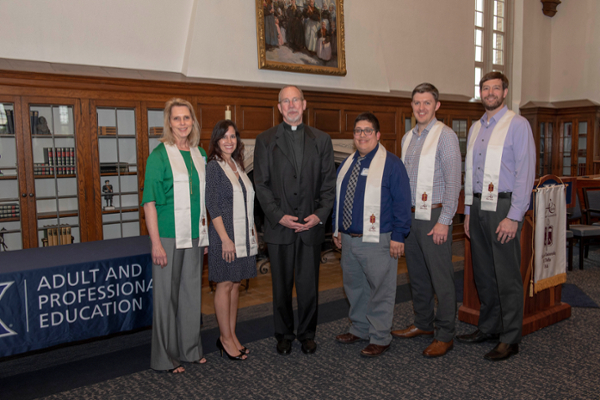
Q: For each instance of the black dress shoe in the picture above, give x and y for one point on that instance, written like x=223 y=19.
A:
x=477 y=337
x=284 y=346
x=502 y=351
x=309 y=346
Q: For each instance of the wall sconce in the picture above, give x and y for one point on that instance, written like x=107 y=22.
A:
x=549 y=7
x=228 y=113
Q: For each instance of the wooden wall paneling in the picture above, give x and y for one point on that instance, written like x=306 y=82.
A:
x=387 y=122
x=400 y=131
x=327 y=119
x=85 y=185
x=208 y=116
x=348 y=121
x=389 y=144
x=27 y=175
x=255 y=119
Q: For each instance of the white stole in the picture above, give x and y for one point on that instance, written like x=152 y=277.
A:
x=239 y=216
x=424 y=190
x=181 y=197
x=372 y=203
x=493 y=159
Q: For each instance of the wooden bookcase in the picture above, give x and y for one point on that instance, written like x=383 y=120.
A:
x=111 y=123
x=567 y=136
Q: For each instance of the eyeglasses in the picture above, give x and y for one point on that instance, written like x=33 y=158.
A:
x=295 y=100
x=367 y=131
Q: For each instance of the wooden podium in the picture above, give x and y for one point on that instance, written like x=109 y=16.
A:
x=543 y=309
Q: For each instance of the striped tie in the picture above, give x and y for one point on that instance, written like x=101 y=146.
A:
x=349 y=199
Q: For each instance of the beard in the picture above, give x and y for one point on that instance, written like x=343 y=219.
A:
x=493 y=104
x=293 y=119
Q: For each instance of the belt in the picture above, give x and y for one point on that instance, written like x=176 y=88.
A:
x=437 y=205
x=355 y=234
x=501 y=195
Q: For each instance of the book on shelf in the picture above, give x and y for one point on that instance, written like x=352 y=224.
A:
x=10 y=210
x=57 y=235
x=61 y=157
x=107 y=130
x=114 y=167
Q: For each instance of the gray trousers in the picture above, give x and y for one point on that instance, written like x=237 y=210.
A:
x=431 y=272
x=370 y=284
x=177 y=295
x=497 y=272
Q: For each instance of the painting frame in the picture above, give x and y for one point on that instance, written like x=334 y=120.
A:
x=265 y=51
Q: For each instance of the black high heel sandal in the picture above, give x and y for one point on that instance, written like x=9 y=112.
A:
x=233 y=358
x=244 y=350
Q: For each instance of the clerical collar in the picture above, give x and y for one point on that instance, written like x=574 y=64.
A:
x=289 y=127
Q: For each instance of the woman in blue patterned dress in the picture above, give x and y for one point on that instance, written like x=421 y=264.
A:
x=232 y=234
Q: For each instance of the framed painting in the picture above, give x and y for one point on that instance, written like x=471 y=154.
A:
x=304 y=36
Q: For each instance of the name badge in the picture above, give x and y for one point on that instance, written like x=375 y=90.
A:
x=365 y=172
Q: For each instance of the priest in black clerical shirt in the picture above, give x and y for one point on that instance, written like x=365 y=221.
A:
x=294 y=175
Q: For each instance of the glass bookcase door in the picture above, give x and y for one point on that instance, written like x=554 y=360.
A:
x=117 y=150
x=11 y=232
x=567 y=134
x=459 y=126
x=545 y=161
x=582 y=137
x=53 y=145
x=155 y=127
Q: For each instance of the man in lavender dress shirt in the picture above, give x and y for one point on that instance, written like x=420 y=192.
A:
x=495 y=235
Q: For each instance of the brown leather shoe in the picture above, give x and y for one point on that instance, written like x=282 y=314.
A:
x=502 y=351
x=438 y=349
x=374 y=350
x=410 y=332
x=347 y=338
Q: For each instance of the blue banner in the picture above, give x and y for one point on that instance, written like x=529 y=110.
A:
x=44 y=307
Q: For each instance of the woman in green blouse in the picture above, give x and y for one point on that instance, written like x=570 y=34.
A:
x=174 y=192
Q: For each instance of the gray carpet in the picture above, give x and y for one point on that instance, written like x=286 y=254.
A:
x=558 y=362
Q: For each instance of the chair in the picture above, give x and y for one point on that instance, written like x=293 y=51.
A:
x=584 y=233
x=573 y=214
x=591 y=197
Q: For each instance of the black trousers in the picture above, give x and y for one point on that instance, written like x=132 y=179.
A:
x=300 y=263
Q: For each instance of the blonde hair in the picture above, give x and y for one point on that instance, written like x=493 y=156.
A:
x=168 y=137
